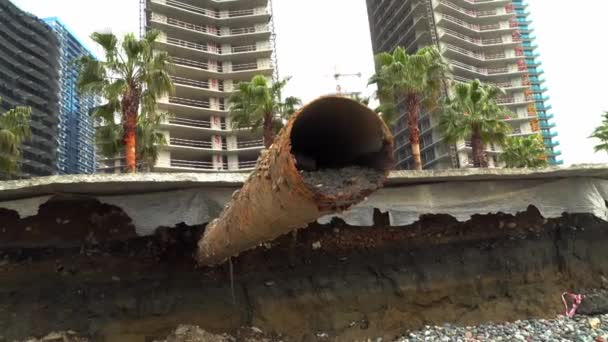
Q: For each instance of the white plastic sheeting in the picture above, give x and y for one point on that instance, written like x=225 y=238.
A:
x=168 y=209
x=405 y=204
x=165 y=200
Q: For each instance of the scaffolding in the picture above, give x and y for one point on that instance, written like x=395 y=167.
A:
x=142 y=18
x=273 y=42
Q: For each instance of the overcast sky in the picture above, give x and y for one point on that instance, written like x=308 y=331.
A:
x=317 y=38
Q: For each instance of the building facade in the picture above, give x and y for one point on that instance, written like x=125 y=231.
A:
x=29 y=76
x=76 y=134
x=214 y=45
x=488 y=40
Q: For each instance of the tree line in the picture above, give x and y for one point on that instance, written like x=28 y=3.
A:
x=134 y=75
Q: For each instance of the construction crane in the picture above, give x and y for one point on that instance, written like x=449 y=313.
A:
x=337 y=76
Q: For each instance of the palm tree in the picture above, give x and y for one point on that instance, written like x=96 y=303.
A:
x=149 y=139
x=520 y=152
x=601 y=133
x=364 y=100
x=473 y=114
x=258 y=104
x=132 y=77
x=14 y=130
x=109 y=139
x=418 y=78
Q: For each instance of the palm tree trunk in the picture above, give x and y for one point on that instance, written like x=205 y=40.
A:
x=130 y=107
x=268 y=131
x=479 y=157
x=412 y=101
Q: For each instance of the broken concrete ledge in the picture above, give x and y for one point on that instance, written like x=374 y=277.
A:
x=116 y=184
x=152 y=200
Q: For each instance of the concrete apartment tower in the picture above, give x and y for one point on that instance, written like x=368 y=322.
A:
x=76 y=152
x=489 y=40
x=29 y=76
x=214 y=45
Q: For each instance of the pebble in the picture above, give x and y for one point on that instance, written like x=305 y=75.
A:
x=561 y=329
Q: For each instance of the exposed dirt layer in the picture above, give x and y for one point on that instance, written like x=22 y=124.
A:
x=66 y=221
x=343 y=182
x=346 y=283
x=63 y=336
x=190 y=333
x=184 y=333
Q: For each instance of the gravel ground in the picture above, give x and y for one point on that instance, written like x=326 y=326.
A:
x=580 y=328
x=340 y=182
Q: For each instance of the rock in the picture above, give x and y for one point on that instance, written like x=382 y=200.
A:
x=594 y=323
x=594 y=304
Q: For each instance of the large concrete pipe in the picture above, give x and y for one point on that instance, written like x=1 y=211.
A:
x=331 y=155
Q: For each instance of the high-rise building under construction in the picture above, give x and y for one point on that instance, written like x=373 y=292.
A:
x=489 y=40
x=214 y=45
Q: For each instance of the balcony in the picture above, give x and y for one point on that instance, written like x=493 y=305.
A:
x=543 y=107
x=479 y=16
x=550 y=134
x=189 y=108
x=448 y=20
x=488 y=72
x=546 y=125
x=511 y=101
x=189 y=88
x=203 y=128
x=194 y=123
x=192 y=31
x=250 y=144
x=193 y=51
x=519 y=118
x=482 y=3
x=507 y=86
x=190 y=102
x=190 y=13
x=207 y=145
x=199 y=165
x=475 y=57
x=240 y=72
x=519 y=132
x=554 y=153
x=228 y=4
x=210 y=166
x=455 y=37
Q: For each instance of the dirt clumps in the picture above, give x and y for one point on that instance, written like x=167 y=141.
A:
x=67 y=336
x=189 y=333
x=343 y=182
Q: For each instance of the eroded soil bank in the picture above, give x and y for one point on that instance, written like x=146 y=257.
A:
x=344 y=283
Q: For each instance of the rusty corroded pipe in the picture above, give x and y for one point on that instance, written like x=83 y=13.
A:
x=328 y=133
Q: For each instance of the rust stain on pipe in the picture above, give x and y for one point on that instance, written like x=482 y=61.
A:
x=328 y=133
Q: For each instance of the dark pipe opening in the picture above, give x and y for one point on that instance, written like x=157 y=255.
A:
x=336 y=132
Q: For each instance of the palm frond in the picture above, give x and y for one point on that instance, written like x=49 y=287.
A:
x=523 y=152
x=474 y=104
x=108 y=42
x=14 y=130
x=601 y=134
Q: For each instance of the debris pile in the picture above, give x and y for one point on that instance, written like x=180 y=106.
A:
x=341 y=182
